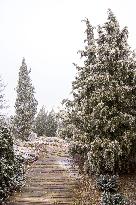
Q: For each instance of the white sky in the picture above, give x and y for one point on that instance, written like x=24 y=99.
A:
x=48 y=33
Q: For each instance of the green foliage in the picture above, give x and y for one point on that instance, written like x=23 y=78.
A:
x=77 y=148
x=11 y=168
x=19 y=177
x=104 y=155
x=65 y=127
x=104 y=94
x=40 y=122
x=51 y=124
x=25 y=105
x=112 y=199
x=46 y=123
x=108 y=184
x=6 y=162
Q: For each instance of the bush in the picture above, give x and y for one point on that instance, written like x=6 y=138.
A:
x=112 y=199
x=118 y=199
x=108 y=156
x=6 y=162
x=10 y=167
x=108 y=184
x=18 y=172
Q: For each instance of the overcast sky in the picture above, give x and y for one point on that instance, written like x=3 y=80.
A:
x=48 y=33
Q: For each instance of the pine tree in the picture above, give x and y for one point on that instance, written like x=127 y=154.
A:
x=25 y=105
x=103 y=108
x=40 y=122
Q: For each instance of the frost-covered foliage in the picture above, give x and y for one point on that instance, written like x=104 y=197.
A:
x=113 y=199
x=25 y=105
x=78 y=148
x=40 y=122
x=14 y=156
x=103 y=108
x=46 y=123
x=51 y=124
x=6 y=162
x=110 y=195
x=65 y=127
x=108 y=155
x=11 y=168
x=107 y=183
x=25 y=150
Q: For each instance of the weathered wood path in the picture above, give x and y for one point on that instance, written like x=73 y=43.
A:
x=50 y=180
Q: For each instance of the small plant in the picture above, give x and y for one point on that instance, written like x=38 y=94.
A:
x=118 y=199
x=112 y=199
x=108 y=185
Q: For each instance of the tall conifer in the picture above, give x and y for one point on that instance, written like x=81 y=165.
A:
x=103 y=108
x=25 y=105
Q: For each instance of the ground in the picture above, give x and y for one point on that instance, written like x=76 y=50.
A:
x=51 y=179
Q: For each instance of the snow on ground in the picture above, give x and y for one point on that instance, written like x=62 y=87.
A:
x=28 y=150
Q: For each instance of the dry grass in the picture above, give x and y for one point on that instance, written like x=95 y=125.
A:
x=88 y=194
x=127 y=184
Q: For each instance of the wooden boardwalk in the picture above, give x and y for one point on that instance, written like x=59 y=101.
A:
x=50 y=180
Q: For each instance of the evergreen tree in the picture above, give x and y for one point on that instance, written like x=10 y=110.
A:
x=40 y=122
x=103 y=108
x=51 y=124
x=25 y=105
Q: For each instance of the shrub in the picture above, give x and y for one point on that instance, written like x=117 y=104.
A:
x=11 y=168
x=118 y=199
x=18 y=172
x=108 y=156
x=108 y=184
x=6 y=162
x=113 y=199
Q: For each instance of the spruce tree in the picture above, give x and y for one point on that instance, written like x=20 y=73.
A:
x=25 y=105
x=103 y=108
